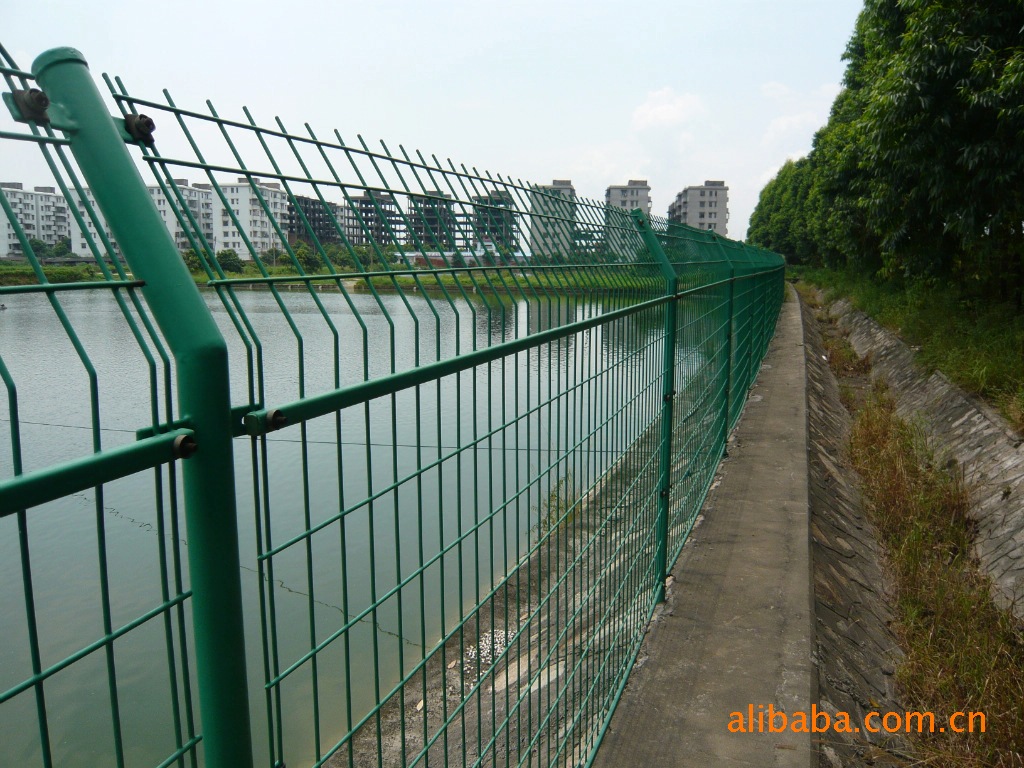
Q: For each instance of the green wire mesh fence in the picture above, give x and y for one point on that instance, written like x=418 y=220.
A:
x=442 y=434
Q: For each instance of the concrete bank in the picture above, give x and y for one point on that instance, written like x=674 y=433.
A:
x=736 y=626
x=856 y=650
x=968 y=431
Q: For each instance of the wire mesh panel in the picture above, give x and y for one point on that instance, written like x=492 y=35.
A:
x=449 y=423
x=95 y=639
x=473 y=421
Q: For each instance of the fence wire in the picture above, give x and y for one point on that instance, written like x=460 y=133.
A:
x=473 y=421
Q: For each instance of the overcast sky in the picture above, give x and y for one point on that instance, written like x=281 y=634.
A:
x=674 y=91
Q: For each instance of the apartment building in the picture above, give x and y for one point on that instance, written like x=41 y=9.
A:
x=495 y=221
x=377 y=218
x=635 y=194
x=311 y=217
x=197 y=200
x=42 y=212
x=703 y=207
x=253 y=203
x=438 y=223
x=553 y=223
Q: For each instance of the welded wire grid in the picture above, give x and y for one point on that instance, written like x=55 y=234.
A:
x=463 y=497
x=86 y=630
x=465 y=550
x=723 y=327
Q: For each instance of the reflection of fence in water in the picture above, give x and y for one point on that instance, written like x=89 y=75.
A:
x=462 y=484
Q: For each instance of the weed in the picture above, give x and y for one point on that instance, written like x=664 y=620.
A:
x=808 y=294
x=962 y=652
x=977 y=344
x=559 y=508
x=848 y=397
x=842 y=359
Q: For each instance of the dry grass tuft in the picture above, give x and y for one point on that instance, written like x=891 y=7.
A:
x=842 y=359
x=962 y=653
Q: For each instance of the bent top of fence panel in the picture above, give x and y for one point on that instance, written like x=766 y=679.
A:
x=78 y=580
x=301 y=212
x=448 y=398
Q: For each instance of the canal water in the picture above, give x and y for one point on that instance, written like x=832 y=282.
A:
x=438 y=460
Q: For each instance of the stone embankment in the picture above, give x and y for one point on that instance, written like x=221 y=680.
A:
x=855 y=649
x=965 y=431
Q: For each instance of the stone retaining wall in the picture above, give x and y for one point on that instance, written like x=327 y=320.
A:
x=855 y=650
x=967 y=431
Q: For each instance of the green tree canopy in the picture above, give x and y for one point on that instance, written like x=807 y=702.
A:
x=308 y=259
x=62 y=248
x=229 y=261
x=191 y=259
x=39 y=248
x=920 y=169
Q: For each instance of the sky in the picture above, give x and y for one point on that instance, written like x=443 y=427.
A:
x=672 y=91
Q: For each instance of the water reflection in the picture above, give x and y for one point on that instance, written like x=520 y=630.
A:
x=441 y=486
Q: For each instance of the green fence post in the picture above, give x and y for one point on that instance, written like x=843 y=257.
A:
x=643 y=225
x=728 y=346
x=200 y=355
x=728 y=361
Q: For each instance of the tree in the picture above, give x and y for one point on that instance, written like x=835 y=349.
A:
x=62 y=248
x=39 y=248
x=919 y=171
x=943 y=123
x=272 y=256
x=367 y=257
x=339 y=256
x=229 y=261
x=780 y=221
x=191 y=259
x=308 y=259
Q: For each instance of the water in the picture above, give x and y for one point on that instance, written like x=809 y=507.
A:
x=470 y=418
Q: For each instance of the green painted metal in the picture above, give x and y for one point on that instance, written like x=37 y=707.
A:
x=32 y=558
x=479 y=419
x=668 y=393
x=51 y=483
x=82 y=286
x=202 y=377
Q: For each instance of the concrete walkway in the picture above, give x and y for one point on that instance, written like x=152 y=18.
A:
x=737 y=626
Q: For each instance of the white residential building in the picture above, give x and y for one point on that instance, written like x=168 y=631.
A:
x=635 y=194
x=79 y=239
x=619 y=238
x=197 y=198
x=42 y=213
x=251 y=215
x=704 y=207
x=553 y=219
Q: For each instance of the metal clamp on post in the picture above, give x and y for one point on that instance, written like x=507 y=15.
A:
x=28 y=105
x=140 y=128
x=201 y=359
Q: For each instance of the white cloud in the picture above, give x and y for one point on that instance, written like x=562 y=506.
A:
x=665 y=107
x=803 y=112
